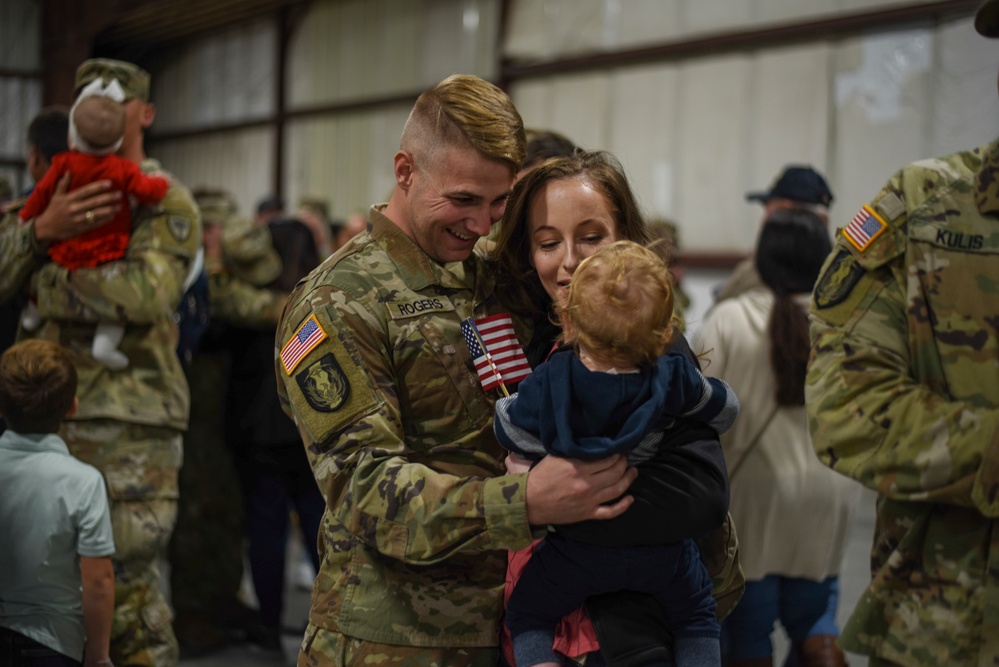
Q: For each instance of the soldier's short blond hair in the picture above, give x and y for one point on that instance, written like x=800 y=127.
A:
x=464 y=110
x=37 y=386
x=620 y=305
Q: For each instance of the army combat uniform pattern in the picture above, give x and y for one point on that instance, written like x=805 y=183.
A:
x=903 y=396
x=236 y=288
x=129 y=422
x=399 y=435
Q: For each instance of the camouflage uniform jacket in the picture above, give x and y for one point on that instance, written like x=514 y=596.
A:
x=399 y=434
x=237 y=285
x=903 y=396
x=140 y=292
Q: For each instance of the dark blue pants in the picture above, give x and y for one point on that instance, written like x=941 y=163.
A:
x=16 y=650
x=562 y=574
x=269 y=495
x=804 y=607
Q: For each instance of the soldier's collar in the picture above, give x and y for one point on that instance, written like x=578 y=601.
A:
x=415 y=268
x=987 y=181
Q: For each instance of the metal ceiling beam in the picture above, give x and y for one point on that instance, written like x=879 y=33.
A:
x=746 y=40
x=161 y=22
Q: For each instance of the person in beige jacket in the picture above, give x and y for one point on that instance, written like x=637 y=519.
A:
x=793 y=515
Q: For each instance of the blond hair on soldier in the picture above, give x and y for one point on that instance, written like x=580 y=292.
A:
x=619 y=308
x=37 y=386
x=464 y=110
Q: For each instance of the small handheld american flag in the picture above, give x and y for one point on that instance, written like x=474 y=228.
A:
x=499 y=359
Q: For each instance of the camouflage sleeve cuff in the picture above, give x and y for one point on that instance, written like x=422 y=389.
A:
x=37 y=249
x=505 y=504
x=985 y=488
x=21 y=255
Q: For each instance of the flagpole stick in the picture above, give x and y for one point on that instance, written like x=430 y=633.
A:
x=492 y=365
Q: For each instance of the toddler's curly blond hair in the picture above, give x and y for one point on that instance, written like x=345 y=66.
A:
x=620 y=305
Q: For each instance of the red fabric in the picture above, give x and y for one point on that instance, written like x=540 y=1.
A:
x=108 y=242
x=574 y=636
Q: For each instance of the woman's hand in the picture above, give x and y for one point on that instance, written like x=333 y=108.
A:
x=70 y=214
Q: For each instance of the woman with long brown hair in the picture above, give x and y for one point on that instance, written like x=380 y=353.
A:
x=793 y=513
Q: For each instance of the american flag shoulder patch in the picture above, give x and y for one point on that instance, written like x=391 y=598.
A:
x=866 y=226
x=302 y=342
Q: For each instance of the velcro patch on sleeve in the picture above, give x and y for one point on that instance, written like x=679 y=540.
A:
x=303 y=341
x=398 y=310
x=864 y=228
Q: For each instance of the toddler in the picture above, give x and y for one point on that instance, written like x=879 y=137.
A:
x=608 y=391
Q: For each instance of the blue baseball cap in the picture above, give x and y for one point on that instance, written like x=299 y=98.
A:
x=987 y=19
x=797 y=183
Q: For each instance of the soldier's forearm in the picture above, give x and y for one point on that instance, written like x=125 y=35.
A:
x=137 y=290
x=20 y=257
x=871 y=422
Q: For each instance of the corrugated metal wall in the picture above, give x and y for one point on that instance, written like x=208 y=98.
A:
x=694 y=133
x=20 y=93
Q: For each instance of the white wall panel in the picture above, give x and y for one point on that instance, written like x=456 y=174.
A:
x=550 y=29
x=459 y=37
x=649 y=21
x=20 y=101
x=789 y=117
x=345 y=159
x=239 y=162
x=225 y=78
x=713 y=123
x=965 y=110
x=884 y=96
x=643 y=122
x=581 y=104
x=533 y=100
x=356 y=49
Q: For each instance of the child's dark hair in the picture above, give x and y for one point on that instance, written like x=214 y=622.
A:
x=793 y=245
x=37 y=386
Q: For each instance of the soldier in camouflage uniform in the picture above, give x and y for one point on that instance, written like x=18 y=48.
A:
x=130 y=422
x=206 y=550
x=903 y=396
x=374 y=369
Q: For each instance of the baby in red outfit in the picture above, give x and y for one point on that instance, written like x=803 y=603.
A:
x=97 y=127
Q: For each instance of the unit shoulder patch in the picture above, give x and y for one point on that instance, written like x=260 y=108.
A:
x=324 y=384
x=180 y=227
x=838 y=280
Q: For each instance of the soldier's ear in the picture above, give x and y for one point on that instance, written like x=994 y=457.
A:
x=404 y=170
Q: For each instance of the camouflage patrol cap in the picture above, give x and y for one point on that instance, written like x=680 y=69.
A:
x=987 y=19
x=133 y=79
x=216 y=206
x=317 y=205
